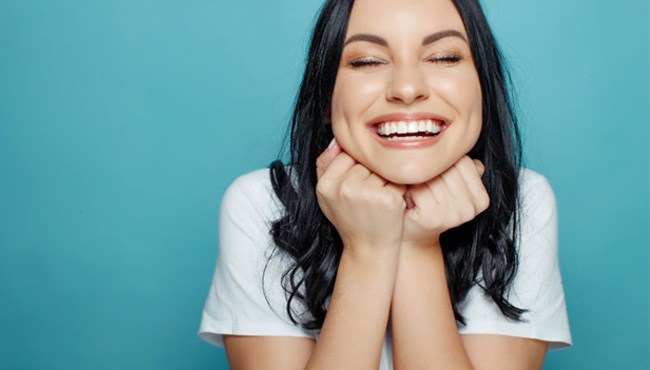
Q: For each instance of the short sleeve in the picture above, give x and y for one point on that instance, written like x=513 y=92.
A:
x=245 y=297
x=537 y=286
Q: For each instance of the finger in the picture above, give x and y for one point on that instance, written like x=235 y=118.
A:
x=324 y=160
x=327 y=157
x=472 y=176
x=340 y=165
x=359 y=172
x=442 y=194
x=428 y=195
x=455 y=182
x=480 y=167
x=376 y=180
x=395 y=188
x=423 y=206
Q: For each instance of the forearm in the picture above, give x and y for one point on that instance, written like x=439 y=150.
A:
x=425 y=335
x=355 y=325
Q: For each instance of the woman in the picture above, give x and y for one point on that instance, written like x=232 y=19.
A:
x=411 y=240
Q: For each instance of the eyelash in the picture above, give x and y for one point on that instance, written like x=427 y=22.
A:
x=446 y=58
x=365 y=62
x=369 y=61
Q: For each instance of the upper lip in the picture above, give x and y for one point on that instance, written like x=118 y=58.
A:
x=417 y=116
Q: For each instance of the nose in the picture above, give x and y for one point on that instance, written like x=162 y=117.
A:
x=407 y=85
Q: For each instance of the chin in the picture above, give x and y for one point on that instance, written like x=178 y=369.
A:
x=409 y=176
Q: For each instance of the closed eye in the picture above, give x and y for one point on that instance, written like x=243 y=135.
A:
x=445 y=58
x=366 y=62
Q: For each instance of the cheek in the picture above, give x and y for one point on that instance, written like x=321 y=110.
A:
x=340 y=103
x=351 y=99
x=339 y=118
x=354 y=94
x=461 y=90
x=472 y=97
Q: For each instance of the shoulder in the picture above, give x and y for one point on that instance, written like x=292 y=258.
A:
x=255 y=184
x=537 y=286
x=248 y=209
x=534 y=187
x=537 y=214
x=250 y=197
x=537 y=205
x=246 y=296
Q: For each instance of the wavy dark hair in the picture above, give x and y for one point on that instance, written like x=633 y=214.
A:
x=482 y=251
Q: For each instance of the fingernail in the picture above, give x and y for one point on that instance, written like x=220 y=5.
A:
x=331 y=143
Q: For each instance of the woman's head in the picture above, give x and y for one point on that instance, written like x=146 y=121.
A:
x=407 y=98
x=440 y=51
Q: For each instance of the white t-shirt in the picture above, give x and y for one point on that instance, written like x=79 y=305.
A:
x=243 y=300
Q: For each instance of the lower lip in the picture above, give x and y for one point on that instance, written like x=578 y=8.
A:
x=409 y=144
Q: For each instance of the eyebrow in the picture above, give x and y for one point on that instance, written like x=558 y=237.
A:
x=441 y=35
x=425 y=41
x=367 y=37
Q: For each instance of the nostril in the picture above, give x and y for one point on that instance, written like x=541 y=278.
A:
x=407 y=93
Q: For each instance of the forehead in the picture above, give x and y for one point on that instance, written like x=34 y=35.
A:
x=394 y=17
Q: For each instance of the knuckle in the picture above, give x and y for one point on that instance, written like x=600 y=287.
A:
x=485 y=202
x=464 y=161
x=347 y=190
x=454 y=220
x=388 y=201
x=324 y=187
x=482 y=199
x=320 y=161
x=465 y=211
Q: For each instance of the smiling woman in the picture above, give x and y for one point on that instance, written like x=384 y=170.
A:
x=413 y=239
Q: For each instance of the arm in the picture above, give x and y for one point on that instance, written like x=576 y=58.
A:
x=367 y=212
x=424 y=328
x=418 y=306
x=351 y=337
x=353 y=331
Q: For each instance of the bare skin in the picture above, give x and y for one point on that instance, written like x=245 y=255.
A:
x=381 y=272
x=403 y=61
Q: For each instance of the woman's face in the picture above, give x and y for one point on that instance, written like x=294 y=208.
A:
x=407 y=99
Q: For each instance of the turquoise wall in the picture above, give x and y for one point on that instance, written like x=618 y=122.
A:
x=123 y=121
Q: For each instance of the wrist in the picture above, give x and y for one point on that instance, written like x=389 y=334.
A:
x=370 y=251
x=419 y=259
x=424 y=243
x=420 y=253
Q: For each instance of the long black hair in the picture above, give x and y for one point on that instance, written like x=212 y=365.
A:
x=482 y=251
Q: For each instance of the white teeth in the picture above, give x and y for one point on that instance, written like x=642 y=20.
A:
x=402 y=128
x=409 y=127
x=430 y=126
x=413 y=127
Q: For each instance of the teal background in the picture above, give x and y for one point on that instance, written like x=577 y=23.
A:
x=123 y=121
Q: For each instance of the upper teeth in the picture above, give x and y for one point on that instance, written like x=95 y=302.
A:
x=408 y=127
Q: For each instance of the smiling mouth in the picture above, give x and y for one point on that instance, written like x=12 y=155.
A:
x=409 y=130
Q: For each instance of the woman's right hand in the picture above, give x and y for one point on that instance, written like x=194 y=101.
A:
x=366 y=209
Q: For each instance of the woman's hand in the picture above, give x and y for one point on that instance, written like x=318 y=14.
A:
x=365 y=209
x=447 y=201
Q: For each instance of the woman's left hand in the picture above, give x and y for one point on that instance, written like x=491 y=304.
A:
x=449 y=200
